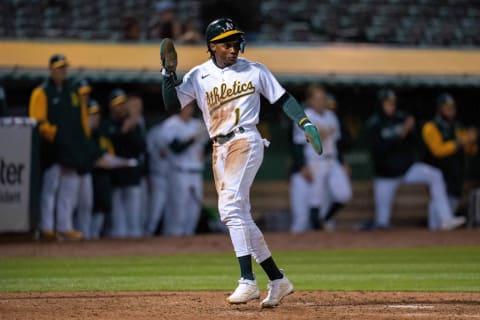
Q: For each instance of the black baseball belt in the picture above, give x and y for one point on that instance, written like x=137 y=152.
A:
x=221 y=139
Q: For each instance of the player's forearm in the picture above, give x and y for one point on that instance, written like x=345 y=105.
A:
x=293 y=109
x=170 y=98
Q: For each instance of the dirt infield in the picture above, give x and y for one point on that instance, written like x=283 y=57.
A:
x=24 y=246
x=212 y=305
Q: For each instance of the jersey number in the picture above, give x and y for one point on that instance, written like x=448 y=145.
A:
x=237 y=115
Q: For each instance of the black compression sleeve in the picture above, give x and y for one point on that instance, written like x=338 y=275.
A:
x=170 y=98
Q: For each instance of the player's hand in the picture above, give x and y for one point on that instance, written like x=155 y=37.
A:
x=313 y=137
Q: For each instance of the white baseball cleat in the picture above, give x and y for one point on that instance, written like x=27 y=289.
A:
x=453 y=223
x=277 y=290
x=247 y=290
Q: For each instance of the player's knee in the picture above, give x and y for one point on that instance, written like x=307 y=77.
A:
x=343 y=196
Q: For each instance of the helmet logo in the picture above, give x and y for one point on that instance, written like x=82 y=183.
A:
x=228 y=26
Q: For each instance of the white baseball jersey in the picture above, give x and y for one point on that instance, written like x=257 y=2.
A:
x=229 y=97
x=325 y=122
x=158 y=150
x=193 y=156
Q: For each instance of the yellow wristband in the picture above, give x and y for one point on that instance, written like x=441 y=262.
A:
x=302 y=121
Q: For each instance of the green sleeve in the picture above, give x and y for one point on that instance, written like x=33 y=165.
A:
x=170 y=98
x=293 y=110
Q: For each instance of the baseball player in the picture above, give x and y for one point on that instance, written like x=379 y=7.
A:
x=158 y=173
x=330 y=187
x=227 y=90
x=392 y=142
x=64 y=129
x=125 y=134
x=186 y=137
x=447 y=145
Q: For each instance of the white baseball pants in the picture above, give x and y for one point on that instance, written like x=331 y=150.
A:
x=125 y=216
x=439 y=207
x=299 y=203
x=50 y=182
x=330 y=184
x=67 y=198
x=158 y=199
x=186 y=196
x=235 y=164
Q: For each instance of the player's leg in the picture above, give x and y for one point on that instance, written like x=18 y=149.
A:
x=133 y=206
x=173 y=218
x=317 y=197
x=423 y=173
x=158 y=197
x=83 y=218
x=384 y=190
x=66 y=203
x=299 y=194
x=242 y=162
x=194 y=205
x=50 y=181
x=118 y=227
x=339 y=188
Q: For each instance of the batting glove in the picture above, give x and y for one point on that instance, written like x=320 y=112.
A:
x=313 y=137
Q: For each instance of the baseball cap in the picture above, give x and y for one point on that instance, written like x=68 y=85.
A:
x=117 y=97
x=58 y=61
x=93 y=106
x=445 y=99
x=84 y=86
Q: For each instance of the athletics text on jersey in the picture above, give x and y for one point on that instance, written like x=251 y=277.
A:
x=229 y=97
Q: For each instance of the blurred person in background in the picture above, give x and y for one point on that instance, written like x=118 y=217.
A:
x=102 y=160
x=127 y=140
x=63 y=127
x=392 y=144
x=447 y=145
x=165 y=23
x=345 y=142
x=330 y=187
x=131 y=29
x=186 y=137
x=158 y=174
x=299 y=186
x=3 y=102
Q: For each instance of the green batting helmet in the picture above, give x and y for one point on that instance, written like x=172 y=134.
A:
x=221 y=29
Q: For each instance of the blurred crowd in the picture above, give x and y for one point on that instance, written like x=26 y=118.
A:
x=105 y=175
x=320 y=185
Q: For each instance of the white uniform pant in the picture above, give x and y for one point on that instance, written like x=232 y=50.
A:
x=50 y=182
x=299 y=203
x=439 y=207
x=330 y=184
x=83 y=218
x=158 y=199
x=67 y=199
x=235 y=164
x=125 y=216
x=186 y=203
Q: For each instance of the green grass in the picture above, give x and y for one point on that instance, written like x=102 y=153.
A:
x=419 y=269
